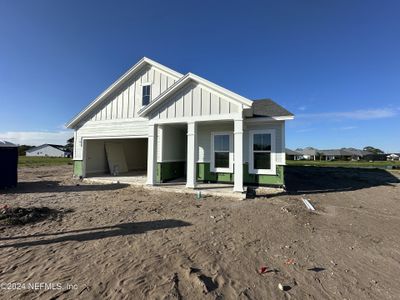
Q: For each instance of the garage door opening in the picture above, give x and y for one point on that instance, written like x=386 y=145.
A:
x=116 y=157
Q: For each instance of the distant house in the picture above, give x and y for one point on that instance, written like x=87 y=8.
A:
x=357 y=154
x=393 y=156
x=308 y=153
x=293 y=155
x=48 y=150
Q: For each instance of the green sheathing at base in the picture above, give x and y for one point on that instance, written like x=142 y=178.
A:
x=78 y=168
x=204 y=174
x=278 y=179
x=170 y=170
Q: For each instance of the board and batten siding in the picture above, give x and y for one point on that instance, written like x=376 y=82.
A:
x=127 y=100
x=194 y=100
x=117 y=115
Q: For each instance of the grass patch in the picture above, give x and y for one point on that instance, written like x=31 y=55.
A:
x=31 y=162
x=339 y=163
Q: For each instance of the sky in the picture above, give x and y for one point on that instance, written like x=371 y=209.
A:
x=334 y=64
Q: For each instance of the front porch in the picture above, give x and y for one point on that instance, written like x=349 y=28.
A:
x=186 y=151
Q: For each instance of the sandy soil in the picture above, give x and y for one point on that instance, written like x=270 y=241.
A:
x=119 y=242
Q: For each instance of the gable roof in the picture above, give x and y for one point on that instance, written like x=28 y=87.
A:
x=58 y=147
x=186 y=79
x=144 y=61
x=268 y=108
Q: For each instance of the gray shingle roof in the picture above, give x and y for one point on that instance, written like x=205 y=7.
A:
x=291 y=152
x=268 y=108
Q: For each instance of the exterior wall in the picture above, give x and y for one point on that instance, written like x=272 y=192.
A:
x=204 y=138
x=118 y=129
x=204 y=131
x=194 y=100
x=278 y=126
x=204 y=153
x=46 y=151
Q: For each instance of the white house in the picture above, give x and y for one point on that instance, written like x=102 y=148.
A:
x=174 y=125
x=393 y=156
x=48 y=150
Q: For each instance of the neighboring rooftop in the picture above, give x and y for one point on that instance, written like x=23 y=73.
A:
x=59 y=147
x=7 y=144
x=268 y=108
x=291 y=152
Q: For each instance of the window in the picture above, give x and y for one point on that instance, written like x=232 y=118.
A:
x=262 y=148
x=221 y=152
x=146 y=91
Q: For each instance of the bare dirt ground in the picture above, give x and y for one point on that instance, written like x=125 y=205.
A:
x=120 y=242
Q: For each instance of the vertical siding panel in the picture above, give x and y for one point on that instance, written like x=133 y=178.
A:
x=170 y=81
x=119 y=106
x=163 y=83
x=234 y=108
x=214 y=105
x=138 y=93
x=163 y=112
x=125 y=103
x=205 y=101
x=131 y=101
x=114 y=109
x=179 y=107
x=196 y=101
x=171 y=108
x=155 y=88
x=187 y=103
x=224 y=106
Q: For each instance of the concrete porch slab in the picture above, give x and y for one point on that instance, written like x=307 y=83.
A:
x=176 y=186
x=179 y=186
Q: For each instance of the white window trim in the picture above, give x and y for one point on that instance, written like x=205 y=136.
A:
x=151 y=92
x=212 y=160
x=272 y=170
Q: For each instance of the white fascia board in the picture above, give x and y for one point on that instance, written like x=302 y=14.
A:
x=268 y=119
x=208 y=84
x=118 y=82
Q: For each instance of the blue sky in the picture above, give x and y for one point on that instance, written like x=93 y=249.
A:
x=335 y=64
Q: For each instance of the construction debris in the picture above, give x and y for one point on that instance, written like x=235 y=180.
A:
x=307 y=204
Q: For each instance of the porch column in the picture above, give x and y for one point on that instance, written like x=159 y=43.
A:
x=238 y=156
x=152 y=155
x=191 y=155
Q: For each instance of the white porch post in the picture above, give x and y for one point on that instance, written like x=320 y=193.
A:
x=238 y=155
x=152 y=155
x=191 y=155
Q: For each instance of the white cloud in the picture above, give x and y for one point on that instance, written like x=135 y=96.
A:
x=361 y=114
x=36 y=138
x=302 y=108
